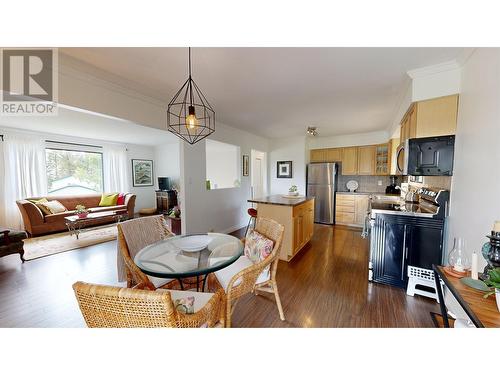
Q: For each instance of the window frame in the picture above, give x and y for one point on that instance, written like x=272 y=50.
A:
x=76 y=148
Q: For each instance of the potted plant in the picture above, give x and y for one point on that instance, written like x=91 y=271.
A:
x=175 y=212
x=81 y=211
x=493 y=281
x=294 y=190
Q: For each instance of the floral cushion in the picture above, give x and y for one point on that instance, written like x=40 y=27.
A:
x=185 y=305
x=257 y=246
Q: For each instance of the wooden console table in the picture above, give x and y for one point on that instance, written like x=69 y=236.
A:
x=483 y=312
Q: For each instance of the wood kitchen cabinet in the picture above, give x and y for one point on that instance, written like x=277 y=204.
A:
x=430 y=118
x=351 y=209
x=350 y=161
x=318 y=155
x=326 y=155
x=366 y=160
x=334 y=154
x=303 y=219
x=296 y=217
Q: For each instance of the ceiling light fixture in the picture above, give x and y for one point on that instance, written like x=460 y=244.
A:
x=312 y=130
x=189 y=115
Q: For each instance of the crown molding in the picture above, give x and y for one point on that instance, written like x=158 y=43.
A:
x=433 y=69
x=73 y=68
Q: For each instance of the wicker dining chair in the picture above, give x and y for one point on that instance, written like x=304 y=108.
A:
x=249 y=279
x=135 y=277
x=114 y=307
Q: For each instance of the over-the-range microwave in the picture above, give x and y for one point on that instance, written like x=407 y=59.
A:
x=432 y=156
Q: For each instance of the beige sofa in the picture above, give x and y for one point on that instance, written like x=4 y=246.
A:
x=36 y=223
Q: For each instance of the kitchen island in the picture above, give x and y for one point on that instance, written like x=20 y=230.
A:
x=295 y=214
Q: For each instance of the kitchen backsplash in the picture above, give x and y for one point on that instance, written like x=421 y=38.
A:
x=367 y=184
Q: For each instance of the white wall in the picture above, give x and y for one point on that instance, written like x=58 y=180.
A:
x=167 y=159
x=286 y=149
x=475 y=202
x=359 y=139
x=145 y=195
x=220 y=210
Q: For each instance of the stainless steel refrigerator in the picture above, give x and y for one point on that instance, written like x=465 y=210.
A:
x=322 y=184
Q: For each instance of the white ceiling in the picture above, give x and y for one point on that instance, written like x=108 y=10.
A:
x=277 y=91
x=85 y=124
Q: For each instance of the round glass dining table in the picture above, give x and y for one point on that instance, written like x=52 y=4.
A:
x=169 y=259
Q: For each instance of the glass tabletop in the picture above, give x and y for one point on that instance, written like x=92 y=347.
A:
x=167 y=259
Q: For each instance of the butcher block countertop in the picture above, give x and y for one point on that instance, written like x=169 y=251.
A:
x=281 y=201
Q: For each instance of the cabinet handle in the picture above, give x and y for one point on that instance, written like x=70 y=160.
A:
x=404 y=255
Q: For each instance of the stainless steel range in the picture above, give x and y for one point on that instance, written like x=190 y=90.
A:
x=406 y=235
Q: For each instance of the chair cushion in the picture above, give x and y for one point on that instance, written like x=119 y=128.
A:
x=226 y=274
x=257 y=246
x=158 y=282
x=187 y=301
x=54 y=218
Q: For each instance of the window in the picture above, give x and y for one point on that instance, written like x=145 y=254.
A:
x=73 y=172
x=223 y=165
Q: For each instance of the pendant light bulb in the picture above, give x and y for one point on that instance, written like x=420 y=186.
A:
x=191 y=120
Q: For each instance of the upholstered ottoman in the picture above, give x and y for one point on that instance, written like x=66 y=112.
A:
x=11 y=242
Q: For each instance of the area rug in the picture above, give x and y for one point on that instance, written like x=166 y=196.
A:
x=57 y=243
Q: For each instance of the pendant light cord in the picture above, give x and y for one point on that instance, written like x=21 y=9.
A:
x=190 y=86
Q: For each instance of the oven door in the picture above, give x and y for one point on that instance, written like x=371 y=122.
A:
x=402 y=159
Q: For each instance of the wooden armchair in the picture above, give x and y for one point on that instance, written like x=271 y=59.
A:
x=113 y=307
x=244 y=277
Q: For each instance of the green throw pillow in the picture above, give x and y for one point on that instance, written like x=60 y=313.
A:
x=108 y=200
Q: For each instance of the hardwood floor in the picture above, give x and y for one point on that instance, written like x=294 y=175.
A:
x=324 y=286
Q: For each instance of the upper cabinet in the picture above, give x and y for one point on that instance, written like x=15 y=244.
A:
x=362 y=160
x=430 y=118
x=318 y=155
x=350 y=161
x=366 y=160
x=334 y=154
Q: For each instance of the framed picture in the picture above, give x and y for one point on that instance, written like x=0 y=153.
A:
x=246 y=161
x=284 y=169
x=142 y=172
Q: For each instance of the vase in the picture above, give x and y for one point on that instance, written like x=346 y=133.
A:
x=83 y=215
x=458 y=258
x=497 y=296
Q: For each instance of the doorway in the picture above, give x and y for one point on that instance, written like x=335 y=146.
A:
x=258 y=174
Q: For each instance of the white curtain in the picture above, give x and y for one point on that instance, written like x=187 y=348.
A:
x=116 y=169
x=23 y=175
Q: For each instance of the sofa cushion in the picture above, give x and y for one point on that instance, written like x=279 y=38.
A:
x=54 y=207
x=54 y=218
x=108 y=208
x=108 y=199
x=121 y=199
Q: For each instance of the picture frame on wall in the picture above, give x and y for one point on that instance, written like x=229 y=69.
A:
x=284 y=169
x=246 y=162
x=142 y=172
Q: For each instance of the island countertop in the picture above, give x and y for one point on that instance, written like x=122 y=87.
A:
x=281 y=201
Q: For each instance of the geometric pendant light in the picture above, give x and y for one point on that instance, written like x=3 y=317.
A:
x=189 y=115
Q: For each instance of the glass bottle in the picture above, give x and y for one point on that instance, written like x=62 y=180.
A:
x=458 y=258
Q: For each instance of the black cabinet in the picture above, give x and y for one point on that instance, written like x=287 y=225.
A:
x=398 y=241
